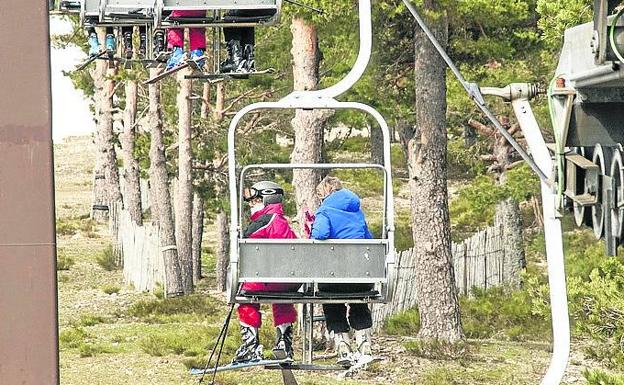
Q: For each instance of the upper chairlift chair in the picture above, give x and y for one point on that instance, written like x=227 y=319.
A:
x=217 y=13
x=117 y=13
x=156 y=14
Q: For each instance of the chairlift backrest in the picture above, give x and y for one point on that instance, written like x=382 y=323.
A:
x=312 y=261
x=135 y=12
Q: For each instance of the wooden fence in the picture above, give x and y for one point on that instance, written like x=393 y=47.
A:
x=138 y=250
x=492 y=257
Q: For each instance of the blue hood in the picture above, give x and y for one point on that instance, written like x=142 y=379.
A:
x=344 y=200
x=340 y=217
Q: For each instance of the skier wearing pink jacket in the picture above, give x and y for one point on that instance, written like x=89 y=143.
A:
x=175 y=40
x=267 y=221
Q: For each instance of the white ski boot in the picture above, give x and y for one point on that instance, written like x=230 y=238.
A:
x=342 y=343
x=363 y=342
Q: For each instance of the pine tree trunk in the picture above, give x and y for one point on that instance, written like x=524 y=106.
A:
x=198 y=231
x=223 y=245
x=184 y=197
x=217 y=114
x=161 y=205
x=376 y=140
x=308 y=125
x=223 y=222
x=206 y=96
x=99 y=211
x=106 y=187
x=513 y=244
x=435 y=283
x=131 y=174
x=111 y=170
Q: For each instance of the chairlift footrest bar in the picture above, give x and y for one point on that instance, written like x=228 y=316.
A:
x=191 y=20
x=246 y=19
x=363 y=294
x=230 y=75
x=307 y=367
x=318 y=294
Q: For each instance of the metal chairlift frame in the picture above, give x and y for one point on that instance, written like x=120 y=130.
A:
x=117 y=13
x=154 y=10
x=218 y=7
x=318 y=99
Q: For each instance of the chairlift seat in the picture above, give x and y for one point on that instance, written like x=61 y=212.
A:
x=269 y=13
x=117 y=12
x=310 y=294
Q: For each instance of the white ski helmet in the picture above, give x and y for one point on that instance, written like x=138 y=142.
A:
x=270 y=192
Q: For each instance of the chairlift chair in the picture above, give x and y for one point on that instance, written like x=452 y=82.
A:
x=217 y=13
x=306 y=261
x=117 y=13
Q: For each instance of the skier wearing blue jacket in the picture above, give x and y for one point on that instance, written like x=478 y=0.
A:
x=340 y=217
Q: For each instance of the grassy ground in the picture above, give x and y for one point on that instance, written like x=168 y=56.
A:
x=112 y=335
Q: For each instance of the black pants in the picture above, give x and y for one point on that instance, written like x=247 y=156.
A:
x=359 y=316
x=91 y=29
x=130 y=30
x=245 y=35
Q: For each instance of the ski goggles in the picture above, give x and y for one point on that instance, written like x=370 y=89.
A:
x=251 y=193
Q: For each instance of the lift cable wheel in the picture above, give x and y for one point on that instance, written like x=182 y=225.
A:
x=475 y=94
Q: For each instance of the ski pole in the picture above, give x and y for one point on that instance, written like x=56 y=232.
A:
x=222 y=335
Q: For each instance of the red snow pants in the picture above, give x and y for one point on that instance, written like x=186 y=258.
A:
x=249 y=313
x=197 y=37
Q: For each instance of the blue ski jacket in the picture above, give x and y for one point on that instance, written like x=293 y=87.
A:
x=340 y=217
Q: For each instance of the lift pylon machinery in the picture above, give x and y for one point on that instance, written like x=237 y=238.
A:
x=583 y=169
x=542 y=164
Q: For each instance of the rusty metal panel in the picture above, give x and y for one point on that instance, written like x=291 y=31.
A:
x=28 y=295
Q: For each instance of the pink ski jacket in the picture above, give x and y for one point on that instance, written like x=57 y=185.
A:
x=269 y=223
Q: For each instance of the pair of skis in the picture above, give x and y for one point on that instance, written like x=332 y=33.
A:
x=193 y=63
x=199 y=74
x=287 y=366
x=104 y=55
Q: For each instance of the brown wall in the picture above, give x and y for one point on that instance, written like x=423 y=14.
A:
x=28 y=303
